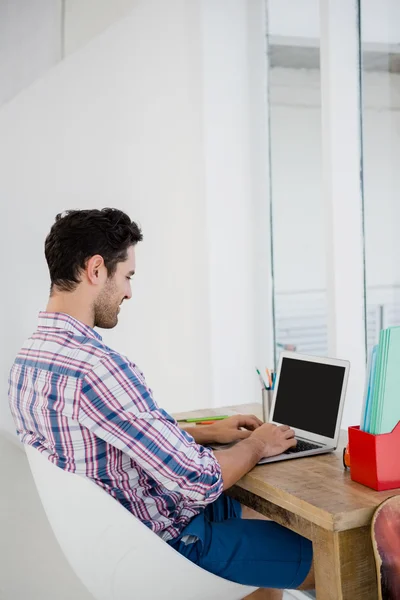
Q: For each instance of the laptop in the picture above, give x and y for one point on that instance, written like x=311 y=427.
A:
x=309 y=396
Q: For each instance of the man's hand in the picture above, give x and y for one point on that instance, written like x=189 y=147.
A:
x=276 y=439
x=265 y=440
x=232 y=429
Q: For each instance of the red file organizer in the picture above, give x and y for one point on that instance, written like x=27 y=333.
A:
x=375 y=459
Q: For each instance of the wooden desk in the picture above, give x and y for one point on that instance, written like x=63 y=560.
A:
x=315 y=497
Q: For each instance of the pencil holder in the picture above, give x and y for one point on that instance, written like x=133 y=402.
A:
x=266 y=404
x=374 y=459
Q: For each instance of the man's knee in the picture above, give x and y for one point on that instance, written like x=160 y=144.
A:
x=309 y=582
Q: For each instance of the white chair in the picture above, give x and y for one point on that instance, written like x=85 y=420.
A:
x=114 y=555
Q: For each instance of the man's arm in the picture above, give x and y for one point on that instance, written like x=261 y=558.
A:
x=258 y=441
x=267 y=440
x=116 y=405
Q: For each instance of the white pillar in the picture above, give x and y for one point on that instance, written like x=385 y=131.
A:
x=342 y=192
x=260 y=169
x=235 y=150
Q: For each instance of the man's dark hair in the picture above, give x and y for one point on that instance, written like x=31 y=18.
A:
x=77 y=235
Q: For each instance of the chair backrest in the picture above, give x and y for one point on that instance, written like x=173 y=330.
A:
x=115 y=555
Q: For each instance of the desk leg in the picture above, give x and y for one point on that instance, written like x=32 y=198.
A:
x=344 y=565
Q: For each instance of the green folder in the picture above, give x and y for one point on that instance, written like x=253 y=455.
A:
x=382 y=381
x=385 y=409
x=390 y=405
x=376 y=391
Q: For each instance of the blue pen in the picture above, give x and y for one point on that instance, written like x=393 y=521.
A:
x=273 y=379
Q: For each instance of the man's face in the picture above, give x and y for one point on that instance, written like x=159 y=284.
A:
x=115 y=290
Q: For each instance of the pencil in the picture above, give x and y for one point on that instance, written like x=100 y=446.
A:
x=200 y=419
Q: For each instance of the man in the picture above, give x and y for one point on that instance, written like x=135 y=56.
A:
x=89 y=409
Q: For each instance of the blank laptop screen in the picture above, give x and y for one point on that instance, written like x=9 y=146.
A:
x=308 y=396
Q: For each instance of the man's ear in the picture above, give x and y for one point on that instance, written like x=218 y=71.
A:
x=96 y=271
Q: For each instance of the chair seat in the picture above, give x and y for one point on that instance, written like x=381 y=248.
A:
x=114 y=554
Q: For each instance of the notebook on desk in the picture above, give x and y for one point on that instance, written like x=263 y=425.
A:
x=309 y=396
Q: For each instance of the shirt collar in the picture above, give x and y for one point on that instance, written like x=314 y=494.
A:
x=51 y=320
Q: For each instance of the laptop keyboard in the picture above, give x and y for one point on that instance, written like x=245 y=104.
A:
x=302 y=447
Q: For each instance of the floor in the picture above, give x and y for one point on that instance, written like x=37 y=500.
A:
x=32 y=565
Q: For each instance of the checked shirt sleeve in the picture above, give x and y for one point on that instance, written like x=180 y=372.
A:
x=117 y=406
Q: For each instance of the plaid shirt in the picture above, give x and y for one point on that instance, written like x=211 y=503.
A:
x=90 y=411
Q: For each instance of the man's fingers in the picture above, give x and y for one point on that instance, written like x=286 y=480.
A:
x=284 y=427
x=250 y=422
x=289 y=434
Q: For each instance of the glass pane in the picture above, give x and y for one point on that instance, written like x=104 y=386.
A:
x=298 y=220
x=380 y=39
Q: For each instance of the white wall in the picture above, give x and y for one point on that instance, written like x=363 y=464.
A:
x=30 y=42
x=234 y=97
x=119 y=124
x=122 y=122
x=36 y=34
x=84 y=19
